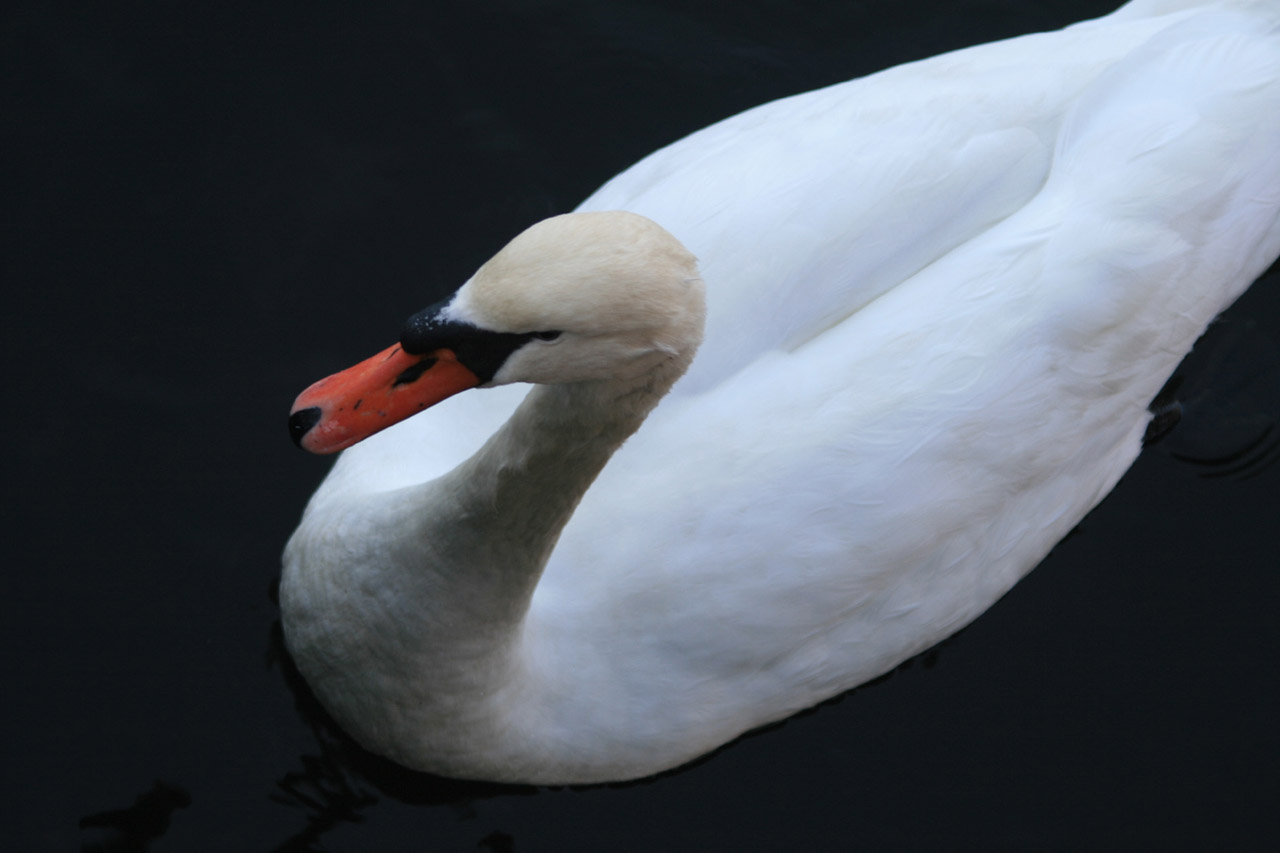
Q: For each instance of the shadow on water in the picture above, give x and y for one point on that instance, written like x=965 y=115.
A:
x=1224 y=400
x=132 y=829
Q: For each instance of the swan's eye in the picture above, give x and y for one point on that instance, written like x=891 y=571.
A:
x=546 y=336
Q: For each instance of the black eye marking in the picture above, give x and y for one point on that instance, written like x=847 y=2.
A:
x=411 y=374
x=481 y=351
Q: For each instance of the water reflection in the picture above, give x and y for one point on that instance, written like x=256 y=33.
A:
x=132 y=829
x=498 y=842
x=1227 y=395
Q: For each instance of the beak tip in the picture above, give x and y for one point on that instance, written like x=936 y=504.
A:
x=301 y=422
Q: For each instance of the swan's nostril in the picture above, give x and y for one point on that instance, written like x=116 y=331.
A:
x=301 y=421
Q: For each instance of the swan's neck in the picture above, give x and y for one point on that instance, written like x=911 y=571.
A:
x=416 y=640
x=497 y=516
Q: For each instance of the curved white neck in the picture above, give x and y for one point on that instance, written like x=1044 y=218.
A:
x=415 y=640
x=492 y=522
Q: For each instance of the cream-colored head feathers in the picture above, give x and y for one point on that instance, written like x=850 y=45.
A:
x=616 y=285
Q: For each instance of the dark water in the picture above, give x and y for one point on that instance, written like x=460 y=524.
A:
x=213 y=208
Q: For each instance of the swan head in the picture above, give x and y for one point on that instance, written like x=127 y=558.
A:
x=607 y=296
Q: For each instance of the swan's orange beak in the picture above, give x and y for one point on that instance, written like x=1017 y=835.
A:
x=350 y=406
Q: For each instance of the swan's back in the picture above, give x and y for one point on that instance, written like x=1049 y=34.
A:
x=804 y=210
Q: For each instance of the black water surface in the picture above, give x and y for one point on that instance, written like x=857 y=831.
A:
x=214 y=204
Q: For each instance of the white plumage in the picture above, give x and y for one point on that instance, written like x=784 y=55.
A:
x=939 y=300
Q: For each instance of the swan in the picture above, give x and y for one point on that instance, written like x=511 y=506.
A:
x=812 y=388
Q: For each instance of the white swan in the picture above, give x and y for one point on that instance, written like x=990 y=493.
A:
x=938 y=302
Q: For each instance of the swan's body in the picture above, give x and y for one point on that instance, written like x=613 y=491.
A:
x=938 y=302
